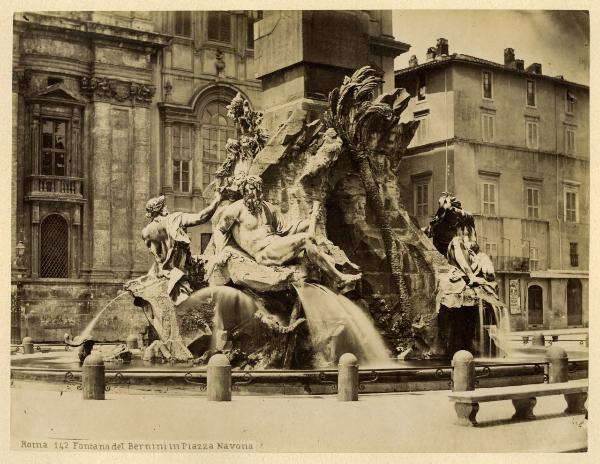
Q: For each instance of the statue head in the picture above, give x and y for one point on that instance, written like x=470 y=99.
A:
x=252 y=193
x=156 y=206
x=447 y=200
x=231 y=189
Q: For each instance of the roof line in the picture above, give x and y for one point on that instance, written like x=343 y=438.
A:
x=468 y=59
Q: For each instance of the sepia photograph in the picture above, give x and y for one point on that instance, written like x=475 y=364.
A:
x=297 y=231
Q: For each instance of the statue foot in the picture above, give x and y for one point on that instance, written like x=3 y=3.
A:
x=347 y=282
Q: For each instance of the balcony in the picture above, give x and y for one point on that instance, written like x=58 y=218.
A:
x=55 y=188
x=516 y=264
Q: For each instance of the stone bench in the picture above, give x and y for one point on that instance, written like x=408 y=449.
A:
x=466 y=403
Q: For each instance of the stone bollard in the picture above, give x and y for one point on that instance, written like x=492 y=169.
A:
x=218 y=378
x=92 y=377
x=538 y=340
x=132 y=342
x=348 y=378
x=27 y=345
x=463 y=372
x=558 y=367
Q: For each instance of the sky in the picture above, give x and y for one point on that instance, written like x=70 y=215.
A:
x=559 y=40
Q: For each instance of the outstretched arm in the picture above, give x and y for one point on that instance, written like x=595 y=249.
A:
x=221 y=231
x=194 y=219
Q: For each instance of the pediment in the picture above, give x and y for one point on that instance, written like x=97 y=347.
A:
x=58 y=92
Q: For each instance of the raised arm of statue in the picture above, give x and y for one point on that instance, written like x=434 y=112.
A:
x=194 y=219
x=221 y=231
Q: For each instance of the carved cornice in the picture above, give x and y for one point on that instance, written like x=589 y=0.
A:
x=94 y=30
x=116 y=91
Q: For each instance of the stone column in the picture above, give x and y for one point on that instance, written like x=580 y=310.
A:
x=167 y=187
x=14 y=173
x=74 y=236
x=197 y=169
x=35 y=169
x=141 y=187
x=35 y=238
x=75 y=171
x=75 y=144
x=121 y=187
x=100 y=179
x=88 y=194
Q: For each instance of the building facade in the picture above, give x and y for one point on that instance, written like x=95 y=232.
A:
x=112 y=108
x=513 y=145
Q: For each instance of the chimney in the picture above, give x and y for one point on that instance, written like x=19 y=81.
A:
x=431 y=53
x=442 y=47
x=509 y=56
x=535 y=68
x=412 y=62
x=519 y=65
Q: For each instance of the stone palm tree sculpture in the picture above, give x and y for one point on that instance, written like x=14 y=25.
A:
x=370 y=127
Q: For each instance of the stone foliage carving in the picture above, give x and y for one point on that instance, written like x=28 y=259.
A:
x=104 y=89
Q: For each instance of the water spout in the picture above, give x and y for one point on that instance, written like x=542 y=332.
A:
x=337 y=325
x=88 y=329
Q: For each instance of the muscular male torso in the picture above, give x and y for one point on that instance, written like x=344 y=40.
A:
x=251 y=232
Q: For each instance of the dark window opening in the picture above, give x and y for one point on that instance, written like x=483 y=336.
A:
x=219 y=26
x=253 y=16
x=487 y=84
x=530 y=93
x=574 y=306
x=55 y=80
x=183 y=23
x=54 y=259
x=422 y=88
x=574 y=254
x=535 y=305
x=54 y=148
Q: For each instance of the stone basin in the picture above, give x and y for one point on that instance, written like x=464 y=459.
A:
x=61 y=369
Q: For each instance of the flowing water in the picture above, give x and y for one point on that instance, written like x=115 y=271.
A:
x=339 y=326
x=232 y=309
x=88 y=329
x=499 y=332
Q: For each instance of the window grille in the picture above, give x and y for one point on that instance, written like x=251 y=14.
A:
x=54 y=236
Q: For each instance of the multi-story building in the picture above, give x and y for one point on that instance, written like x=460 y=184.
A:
x=513 y=145
x=112 y=108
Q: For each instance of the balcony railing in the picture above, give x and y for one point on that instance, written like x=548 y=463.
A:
x=51 y=187
x=517 y=264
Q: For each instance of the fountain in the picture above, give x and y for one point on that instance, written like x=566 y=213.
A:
x=313 y=256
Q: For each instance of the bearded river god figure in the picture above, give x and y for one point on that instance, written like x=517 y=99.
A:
x=259 y=229
x=267 y=288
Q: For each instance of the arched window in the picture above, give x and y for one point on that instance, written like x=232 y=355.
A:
x=54 y=238
x=574 y=307
x=535 y=305
x=216 y=129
